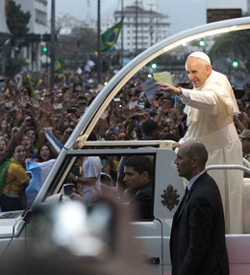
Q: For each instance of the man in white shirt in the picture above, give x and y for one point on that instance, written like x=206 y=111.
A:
x=90 y=178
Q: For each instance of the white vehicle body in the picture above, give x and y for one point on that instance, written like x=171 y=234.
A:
x=153 y=234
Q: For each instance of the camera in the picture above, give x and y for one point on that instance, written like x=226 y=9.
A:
x=30 y=120
x=16 y=130
x=13 y=112
x=135 y=117
x=158 y=95
x=71 y=110
x=68 y=189
x=8 y=104
x=241 y=114
x=184 y=85
x=142 y=105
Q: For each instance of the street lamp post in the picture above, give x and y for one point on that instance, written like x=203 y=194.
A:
x=136 y=27
x=4 y=55
x=99 y=40
x=122 y=34
x=52 y=45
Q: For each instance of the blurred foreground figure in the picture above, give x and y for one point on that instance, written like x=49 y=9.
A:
x=197 y=242
x=210 y=107
x=72 y=238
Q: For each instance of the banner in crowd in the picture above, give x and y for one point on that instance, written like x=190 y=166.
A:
x=56 y=144
x=38 y=172
x=110 y=36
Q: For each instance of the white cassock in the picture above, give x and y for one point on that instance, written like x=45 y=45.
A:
x=210 y=109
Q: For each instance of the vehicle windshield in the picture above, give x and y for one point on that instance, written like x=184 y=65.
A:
x=49 y=118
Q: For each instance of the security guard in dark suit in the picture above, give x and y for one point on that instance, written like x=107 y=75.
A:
x=197 y=243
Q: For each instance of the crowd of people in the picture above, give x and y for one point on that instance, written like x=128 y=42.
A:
x=207 y=122
x=29 y=107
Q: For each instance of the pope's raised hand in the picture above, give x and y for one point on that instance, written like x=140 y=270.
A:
x=165 y=87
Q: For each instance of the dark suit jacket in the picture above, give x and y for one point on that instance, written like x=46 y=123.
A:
x=197 y=242
x=143 y=202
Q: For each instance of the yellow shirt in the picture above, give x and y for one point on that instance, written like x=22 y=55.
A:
x=16 y=176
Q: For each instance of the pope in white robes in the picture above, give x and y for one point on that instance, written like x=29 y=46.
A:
x=210 y=107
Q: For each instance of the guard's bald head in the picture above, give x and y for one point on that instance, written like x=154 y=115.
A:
x=196 y=149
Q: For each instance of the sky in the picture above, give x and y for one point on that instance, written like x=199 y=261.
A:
x=183 y=14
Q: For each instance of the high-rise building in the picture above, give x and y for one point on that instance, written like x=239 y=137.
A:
x=141 y=28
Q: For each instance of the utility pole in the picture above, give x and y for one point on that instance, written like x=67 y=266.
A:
x=142 y=25
x=52 y=44
x=136 y=27
x=151 y=30
x=122 y=13
x=4 y=55
x=99 y=40
x=88 y=15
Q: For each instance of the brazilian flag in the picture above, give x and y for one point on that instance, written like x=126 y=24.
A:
x=59 y=66
x=110 y=36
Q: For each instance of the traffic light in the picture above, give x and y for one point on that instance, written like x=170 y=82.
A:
x=45 y=49
x=154 y=66
x=202 y=43
x=235 y=64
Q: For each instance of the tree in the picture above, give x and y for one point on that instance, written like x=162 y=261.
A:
x=14 y=66
x=232 y=46
x=17 y=20
x=76 y=47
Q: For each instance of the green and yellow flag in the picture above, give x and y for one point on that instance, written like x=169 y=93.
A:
x=110 y=36
x=59 y=66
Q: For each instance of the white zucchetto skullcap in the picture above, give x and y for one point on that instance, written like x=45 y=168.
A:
x=201 y=55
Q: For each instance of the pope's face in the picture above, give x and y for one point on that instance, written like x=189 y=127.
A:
x=198 y=71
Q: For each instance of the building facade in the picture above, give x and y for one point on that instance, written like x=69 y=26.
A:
x=145 y=4
x=141 y=28
x=5 y=35
x=228 y=4
x=38 y=25
x=38 y=9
